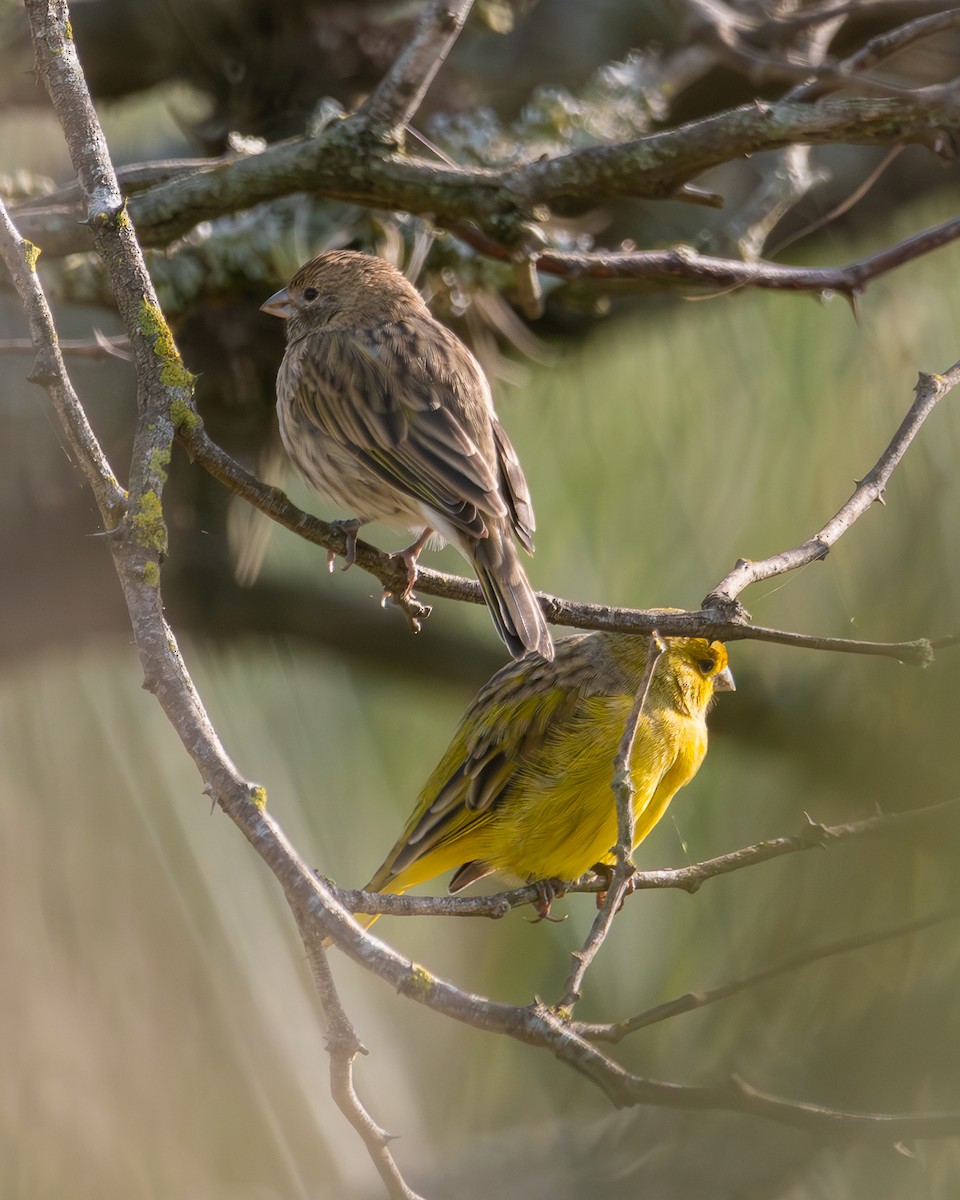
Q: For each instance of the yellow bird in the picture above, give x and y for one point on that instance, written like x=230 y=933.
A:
x=524 y=788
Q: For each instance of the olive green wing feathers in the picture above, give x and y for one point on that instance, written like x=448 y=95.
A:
x=503 y=730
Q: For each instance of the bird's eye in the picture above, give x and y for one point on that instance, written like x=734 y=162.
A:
x=310 y=293
x=706 y=665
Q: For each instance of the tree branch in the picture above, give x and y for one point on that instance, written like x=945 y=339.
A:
x=502 y=201
x=393 y=103
x=929 y=390
x=815 y=836
x=616 y=1031
x=49 y=371
x=683 y=264
x=140 y=542
x=624 y=869
x=710 y=623
x=343 y=1046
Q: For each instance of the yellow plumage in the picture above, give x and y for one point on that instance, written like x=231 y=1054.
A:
x=524 y=788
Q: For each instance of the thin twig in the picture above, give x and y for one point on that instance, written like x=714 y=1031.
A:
x=572 y=614
x=876 y=50
x=540 y=1026
x=616 y=1031
x=930 y=390
x=101 y=346
x=814 y=79
x=838 y=210
x=394 y=102
x=683 y=264
x=815 y=13
x=343 y=1046
x=624 y=869
x=49 y=371
x=815 y=836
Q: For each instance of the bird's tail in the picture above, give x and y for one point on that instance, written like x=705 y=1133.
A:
x=510 y=598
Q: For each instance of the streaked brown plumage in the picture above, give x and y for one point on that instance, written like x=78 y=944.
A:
x=388 y=415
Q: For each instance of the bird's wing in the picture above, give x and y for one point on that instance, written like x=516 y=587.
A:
x=515 y=488
x=411 y=403
x=501 y=732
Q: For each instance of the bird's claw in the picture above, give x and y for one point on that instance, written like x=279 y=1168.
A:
x=410 y=606
x=349 y=528
x=605 y=872
x=409 y=559
x=548 y=890
x=408 y=556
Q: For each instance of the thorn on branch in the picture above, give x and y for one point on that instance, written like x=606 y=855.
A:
x=815 y=833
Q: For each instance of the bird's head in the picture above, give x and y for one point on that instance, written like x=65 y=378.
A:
x=695 y=670
x=343 y=289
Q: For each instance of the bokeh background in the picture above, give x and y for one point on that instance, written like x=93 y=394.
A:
x=160 y=1036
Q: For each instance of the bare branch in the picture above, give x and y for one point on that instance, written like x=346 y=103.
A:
x=929 y=390
x=814 y=78
x=880 y=48
x=503 y=202
x=685 y=265
x=617 y=1030
x=343 y=1046
x=100 y=346
x=624 y=868
x=814 y=836
x=394 y=102
x=164 y=385
x=48 y=371
x=390 y=572
x=537 y=1025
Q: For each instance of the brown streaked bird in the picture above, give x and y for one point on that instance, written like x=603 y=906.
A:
x=388 y=415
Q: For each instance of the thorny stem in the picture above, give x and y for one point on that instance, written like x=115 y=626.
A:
x=930 y=390
x=624 y=792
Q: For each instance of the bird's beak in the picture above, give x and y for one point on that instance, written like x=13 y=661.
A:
x=723 y=681
x=279 y=305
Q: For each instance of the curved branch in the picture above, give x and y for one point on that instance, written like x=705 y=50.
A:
x=390 y=572
x=930 y=390
x=684 y=264
x=49 y=371
x=542 y=1027
x=343 y=1046
x=616 y=1031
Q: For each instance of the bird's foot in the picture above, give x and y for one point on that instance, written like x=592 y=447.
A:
x=548 y=890
x=605 y=872
x=408 y=556
x=349 y=527
x=415 y=611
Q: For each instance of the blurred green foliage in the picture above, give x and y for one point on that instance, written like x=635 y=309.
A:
x=160 y=1036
